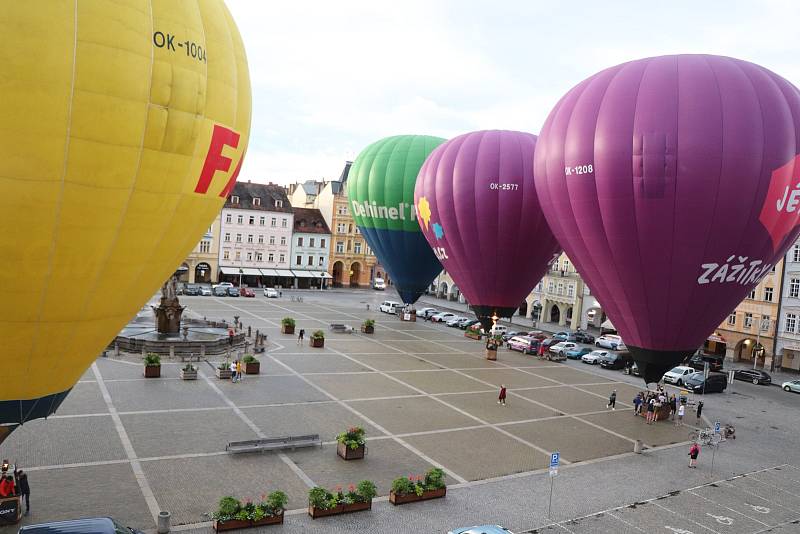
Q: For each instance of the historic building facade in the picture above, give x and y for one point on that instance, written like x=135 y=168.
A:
x=202 y=263
x=310 y=249
x=787 y=346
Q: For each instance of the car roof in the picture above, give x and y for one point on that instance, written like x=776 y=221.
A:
x=482 y=529
x=89 y=525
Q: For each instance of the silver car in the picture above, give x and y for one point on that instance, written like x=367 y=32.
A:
x=593 y=357
x=791 y=385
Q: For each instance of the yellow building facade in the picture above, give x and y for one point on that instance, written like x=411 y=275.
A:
x=202 y=264
x=352 y=262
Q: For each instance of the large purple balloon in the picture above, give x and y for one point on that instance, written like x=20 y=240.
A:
x=672 y=184
x=479 y=211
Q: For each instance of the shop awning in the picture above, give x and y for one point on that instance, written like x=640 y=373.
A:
x=303 y=274
x=324 y=274
x=268 y=272
x=285 y=272
x=229 y=270
x=607 y=325
x=249 y=271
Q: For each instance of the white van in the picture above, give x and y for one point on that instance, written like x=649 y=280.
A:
x=497 y=330
x=390 y=306
x=379 y=284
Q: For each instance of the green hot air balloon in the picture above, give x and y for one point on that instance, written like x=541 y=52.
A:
x=381 y=191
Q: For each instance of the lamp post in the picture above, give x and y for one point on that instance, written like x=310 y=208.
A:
x=763 y=325
x=241 y=272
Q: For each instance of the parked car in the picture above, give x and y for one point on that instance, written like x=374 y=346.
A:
x=609 y=341
x=191 y=290
x=247 y=292
x=564 y=346
x=482 y=529
x=233 y=291
x=379 y=284
x=593 y=357
x=791 y=385
x=93 y=525
x=561 y=336
x=699 y=362
x=467 y=324
x=582 y=337
x=716 y=382
x=577 y=353
x=390 y=306
x=511 y=333
x=442 y=317
x=615 y=360
x=206 y=291
x=677 y=375
x=426 y=312
x=538 y=334
x=752 y=375
x=524 y=344
x=635 y=370
x=546 y=343
x=270 y=292
x=224 y=284
x=221 y=291
x=453 y=323
x=497 y=330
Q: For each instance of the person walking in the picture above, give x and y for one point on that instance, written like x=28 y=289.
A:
x=612 y=400
x=24 y=489
x=239 y=375
x=673 y=406
x=651 y=411
x=699 y=409
x=637 y=404
x=233 y=371
x=681 y=411
x=300 y=336
x=694 y=452
x=501 y=399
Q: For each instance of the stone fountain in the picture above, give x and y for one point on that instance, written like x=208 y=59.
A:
x=169 y=310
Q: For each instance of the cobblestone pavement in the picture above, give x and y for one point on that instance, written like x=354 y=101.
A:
x=128 y=447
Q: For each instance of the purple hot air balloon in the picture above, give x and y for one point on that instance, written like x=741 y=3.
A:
x=672 y=184
x=477 y=202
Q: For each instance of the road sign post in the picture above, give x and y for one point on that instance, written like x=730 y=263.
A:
x=714 y=444
x=555 y=459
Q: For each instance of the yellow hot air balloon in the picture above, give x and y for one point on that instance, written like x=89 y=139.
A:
x=123 y=125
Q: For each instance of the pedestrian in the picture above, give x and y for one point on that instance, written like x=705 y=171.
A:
x=637 y=404
x=239 y=375
x=233 y=371
x=694 y=452
x=651 y=410
x=230 y=336
x=612 y=400
x=673 y=406
x=24 y=489
x=681 y=411
x=501 y=399
x=300 y=336
x=699 y=409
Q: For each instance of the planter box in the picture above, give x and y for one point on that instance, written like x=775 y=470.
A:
x=368 y=329
x=252 y=368
x=188 y=375
x=412 y=497
x=235 y=524
x=224 y=374
x=318 y=343
x=350 y=454
x=341 y=509
x=285 y=329
x=152 y=371
x=472 y=335
x=491 y=354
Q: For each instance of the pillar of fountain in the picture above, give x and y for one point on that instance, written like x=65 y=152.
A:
x=169 y=310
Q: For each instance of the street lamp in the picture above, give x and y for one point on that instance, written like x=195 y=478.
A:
x=763 y=325
x=241 y=272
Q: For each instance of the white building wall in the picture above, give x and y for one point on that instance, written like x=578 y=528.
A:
x=255 y=238
x=314 y=247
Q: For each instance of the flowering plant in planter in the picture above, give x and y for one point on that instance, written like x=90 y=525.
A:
x=152 y=360
x=267 y=510
x=318 y=334
x=251 y=365
x=418 y=488
x=323 y=499
x=353 y=438
x=287 y=325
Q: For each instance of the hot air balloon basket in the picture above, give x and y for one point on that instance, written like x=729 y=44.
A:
x=491 y=354
x=408 y=316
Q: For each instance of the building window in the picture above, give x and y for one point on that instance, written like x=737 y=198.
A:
x=238 y=255
x=311 y=260
x=298 y=260
x=570 y=290
x=796 y=253
x=752 y=294
x=350 y=228
x=357 y=248
x=342 y=210
x=341 y=228
x=282 y=258
x=249 y=238
x=340 y=246
x=299 y=241
x=234 y=199
x=310 y=241
x=283 y=240
x=322 y=243
x=256 y=202
x=227 y=237
x=732 y=319
x=272 y=240
x=249 y=256
x=261 y=239
x=560 y=288
x=262 y=221
x=238 y=238
x=791 y=323
x=794 y=287
x=551 y=286
x=321 y=261
x=283 y=223
x=748 y=320
x=278 y=203
x=273 y=222
x=226 y=254
x=556 y=266
x=271 y=258
x=349 y=245
x=768 y=294
x=205 y=246
x=251 y=220
x=764 y=324
x=566 y=266
x=240 y=219
x=259 y=256
x=228 y=218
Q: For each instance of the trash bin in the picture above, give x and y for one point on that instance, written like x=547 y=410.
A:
x=637 y=446
x=163 y=522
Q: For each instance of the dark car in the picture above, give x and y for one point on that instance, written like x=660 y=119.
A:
x=220 y=291
x=547 y=343
x=615 y=360
x=191 y=291
x=467 y=324
x=89 y=525
x=582 y=337
x=577 y=352
x=716 y=382
x=752 y=375
x=698 y=362
x=511 y=333
x=233 y=291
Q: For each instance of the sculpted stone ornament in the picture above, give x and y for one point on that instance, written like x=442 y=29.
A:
x=168 y=312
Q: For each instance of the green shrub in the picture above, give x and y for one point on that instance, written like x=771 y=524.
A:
x=434 y=479
x=152 y=360
x=189 y=367
x=402 y=486
x=319 y=497
x=277 y=501
x=353 y=438
x=287 y=321
x=249 y=358
x=369 y=322
x=366 y=490
x=318 y=334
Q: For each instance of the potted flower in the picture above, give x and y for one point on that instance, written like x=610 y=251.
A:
x=318 y=339
x=189 y=372
x=322 y=503
x=152 y=365
x=251 y=365
x=492 y=342
x=418 y=488
x=287 y=325
x=233 y=514
x=223 y=370
x=351 y=445
x=473 y=332
x=368 y=327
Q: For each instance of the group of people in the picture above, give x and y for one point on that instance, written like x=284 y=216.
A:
x=653 y=403
x=236 y=371
x=16 y=485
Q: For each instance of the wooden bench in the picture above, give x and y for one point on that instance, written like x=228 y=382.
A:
x=341 y=328
x=191 y=357
x=273 y=444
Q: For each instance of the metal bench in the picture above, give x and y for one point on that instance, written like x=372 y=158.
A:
x=273 y=444
x=341 y=328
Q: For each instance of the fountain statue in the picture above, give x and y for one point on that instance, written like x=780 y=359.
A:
x=169 y=310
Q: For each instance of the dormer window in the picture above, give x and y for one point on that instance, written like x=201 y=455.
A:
x=278 y=203
x=302 y=223
x=234 y=199
x=256 y=201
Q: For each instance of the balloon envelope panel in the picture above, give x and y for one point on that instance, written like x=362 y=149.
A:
x=664 y=179
x=480 y=212
x=381 y=192
x=123 y=126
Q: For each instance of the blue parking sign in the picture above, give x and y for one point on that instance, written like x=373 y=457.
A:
x=716 y=427
x=554 y=459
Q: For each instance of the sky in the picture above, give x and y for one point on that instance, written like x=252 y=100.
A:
x=329 y=78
